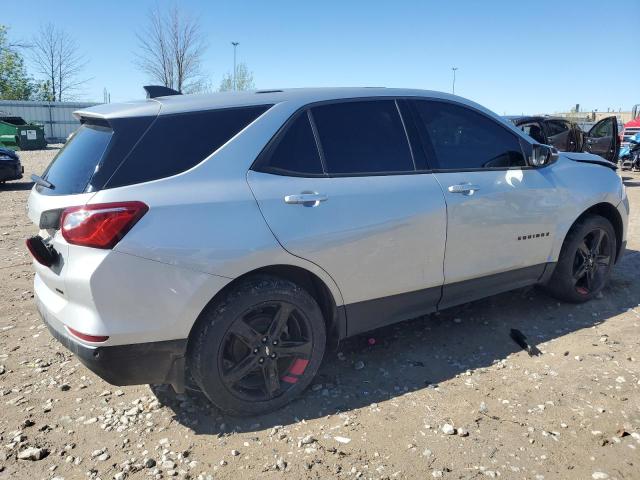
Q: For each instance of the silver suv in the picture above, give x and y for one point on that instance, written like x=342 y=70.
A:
x=223 y=241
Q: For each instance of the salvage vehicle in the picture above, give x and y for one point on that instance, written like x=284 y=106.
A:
x=601 y=139
x=10 y=166
x=630 y=154
x=284 y=221
x=631 y=128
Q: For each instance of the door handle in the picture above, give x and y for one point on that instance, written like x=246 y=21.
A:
x=310 y=199
x=464 y=188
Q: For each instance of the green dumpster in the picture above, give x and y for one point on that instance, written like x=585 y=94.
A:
x=17 y=134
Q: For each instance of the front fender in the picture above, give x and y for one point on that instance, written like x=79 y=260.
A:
x=588 y=185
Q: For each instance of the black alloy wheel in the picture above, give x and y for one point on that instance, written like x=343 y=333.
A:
x=585 y=262
x=258 y=346
x=265 y=351
x=592 y=262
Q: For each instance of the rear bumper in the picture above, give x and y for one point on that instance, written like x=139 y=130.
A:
x=135 y=364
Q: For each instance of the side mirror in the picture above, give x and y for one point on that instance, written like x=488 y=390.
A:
x=542 y=155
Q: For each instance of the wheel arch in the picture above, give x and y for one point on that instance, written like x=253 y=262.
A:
x=608 y=211
x=333 y=314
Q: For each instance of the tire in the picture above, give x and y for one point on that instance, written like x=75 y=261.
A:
x=258 y=347
x=584 y=265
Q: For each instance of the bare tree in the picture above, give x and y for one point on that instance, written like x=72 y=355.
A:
x=57 y=59
x=170 y=50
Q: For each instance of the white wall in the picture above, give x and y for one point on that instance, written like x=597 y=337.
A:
x=56 y=117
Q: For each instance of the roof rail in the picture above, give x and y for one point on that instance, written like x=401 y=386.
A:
x=154 y=91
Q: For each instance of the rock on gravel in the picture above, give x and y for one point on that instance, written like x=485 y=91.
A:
x=281 y=464
x=33 y=453
x=307 y=440
x=342 y=439
x=448 y=429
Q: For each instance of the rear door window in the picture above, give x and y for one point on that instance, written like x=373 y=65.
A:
x=177 y=142
x=74 y=165
x=462 y=138
x=363 y=137
x=295 y=152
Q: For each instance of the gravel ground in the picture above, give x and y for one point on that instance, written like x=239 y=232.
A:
x=446 y=396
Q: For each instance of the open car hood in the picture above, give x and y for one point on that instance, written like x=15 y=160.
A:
x=589 y=158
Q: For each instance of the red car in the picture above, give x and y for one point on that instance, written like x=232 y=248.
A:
x=630 y=129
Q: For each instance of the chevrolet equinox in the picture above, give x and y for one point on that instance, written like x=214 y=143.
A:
x=223 y=241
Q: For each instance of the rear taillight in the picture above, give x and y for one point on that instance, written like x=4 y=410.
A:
x=101 y=225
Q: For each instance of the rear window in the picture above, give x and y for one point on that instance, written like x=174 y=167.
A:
x=121 y=153
x=175 y=143
x=74 y=165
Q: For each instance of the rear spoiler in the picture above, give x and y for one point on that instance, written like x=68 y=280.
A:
x=154 y=91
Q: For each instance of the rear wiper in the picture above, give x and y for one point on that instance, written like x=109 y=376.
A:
x=42 y=182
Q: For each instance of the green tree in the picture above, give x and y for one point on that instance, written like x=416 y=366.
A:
x=42 y=92
x=244 y=79
x=15 y=82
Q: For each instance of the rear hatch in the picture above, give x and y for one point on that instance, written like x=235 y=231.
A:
x=77 y=172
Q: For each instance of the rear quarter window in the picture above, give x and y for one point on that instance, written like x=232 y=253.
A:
x=294 y=153
x=177 y=142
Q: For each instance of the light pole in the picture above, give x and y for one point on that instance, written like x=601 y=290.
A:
x=453 y=89
x=235 y=46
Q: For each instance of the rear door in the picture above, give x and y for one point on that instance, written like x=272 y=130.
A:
x=339 y=187
x=602 y=139
x=501 y=213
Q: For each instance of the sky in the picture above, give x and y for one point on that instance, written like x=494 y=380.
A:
x=512 y=57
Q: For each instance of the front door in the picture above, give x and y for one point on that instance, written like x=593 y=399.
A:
x=357 y=208
x=501 y=213
x=603 y=139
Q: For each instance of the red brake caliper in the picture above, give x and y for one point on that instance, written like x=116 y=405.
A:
x=297 y=368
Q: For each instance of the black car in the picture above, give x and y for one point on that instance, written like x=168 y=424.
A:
x=10 y=166
x=602 y=139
